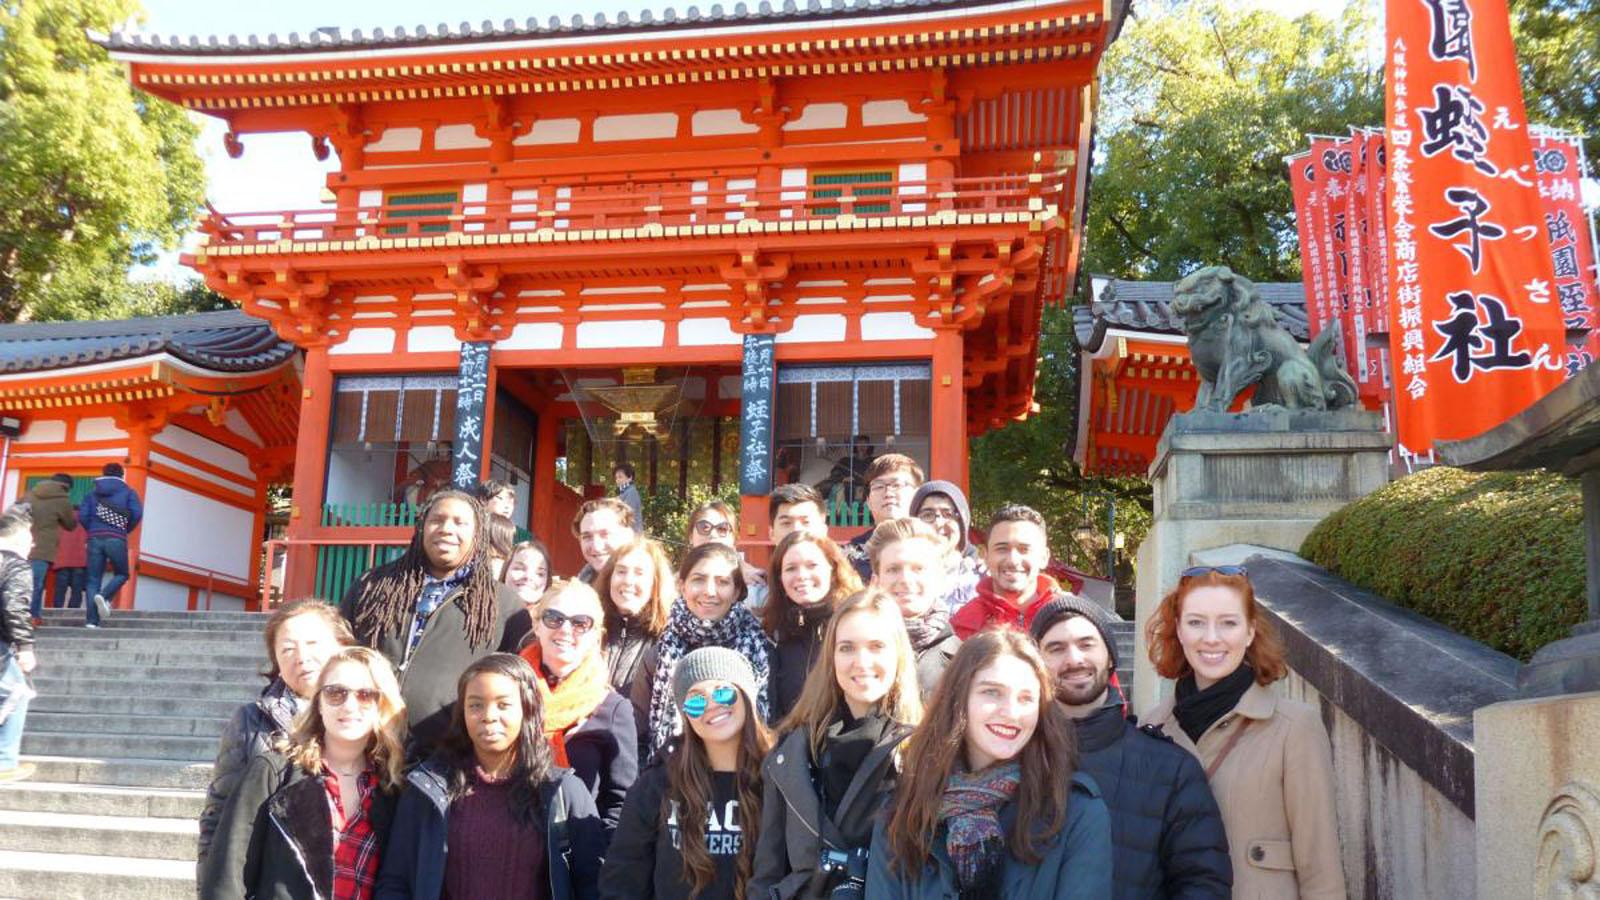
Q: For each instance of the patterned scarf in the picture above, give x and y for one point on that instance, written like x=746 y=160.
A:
x=434 y=590
x=971 y=808
x=570 y=702
x=928 y=628
x=738 y=631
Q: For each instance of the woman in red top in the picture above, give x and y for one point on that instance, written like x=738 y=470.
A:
x=311 y=818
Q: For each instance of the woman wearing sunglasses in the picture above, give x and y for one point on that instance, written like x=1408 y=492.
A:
x=1267 y=756
x=490 y=814
x=311 y=816
x=837 y=759
x=714 y=521
x=590 y=726
x=708 y=614
x=809 y=576
x=689 y=827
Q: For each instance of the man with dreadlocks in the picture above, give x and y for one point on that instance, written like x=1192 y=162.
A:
x=437 y=609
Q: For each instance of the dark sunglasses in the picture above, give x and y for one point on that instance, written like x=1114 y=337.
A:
x=1226 y=571
x=553 y=620
x=695 y=706
x=707 y=527
x=337 y=694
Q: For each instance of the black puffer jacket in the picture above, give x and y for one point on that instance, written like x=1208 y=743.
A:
x=249 y=734
x=1167 y=836
x=626 y=643
x=792 y=660
x=16 y=592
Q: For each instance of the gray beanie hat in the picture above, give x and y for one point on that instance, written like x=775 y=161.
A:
x=713 y=664
x=1065 y=606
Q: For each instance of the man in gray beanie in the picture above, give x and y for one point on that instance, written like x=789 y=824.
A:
x=1167 y=837
x=714 y=664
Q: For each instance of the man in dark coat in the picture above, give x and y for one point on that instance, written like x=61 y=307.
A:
x=16 y=639
x=109 y=513
x=1167 y=835
x=435 y=610
x=52 y=511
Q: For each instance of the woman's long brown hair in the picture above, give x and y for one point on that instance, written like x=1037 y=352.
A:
x=936 y=749
x=780 y=616
x=689 y=789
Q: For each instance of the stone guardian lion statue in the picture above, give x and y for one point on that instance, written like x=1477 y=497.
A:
x=1235 y=342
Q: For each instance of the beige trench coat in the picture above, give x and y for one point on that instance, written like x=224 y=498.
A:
x=1275 y=789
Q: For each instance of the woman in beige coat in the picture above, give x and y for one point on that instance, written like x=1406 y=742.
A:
x=1267 y=756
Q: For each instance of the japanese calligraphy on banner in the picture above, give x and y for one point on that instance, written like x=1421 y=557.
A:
x=758 y=385
x=1333 y=162
x=1307 y=186
x=1360 y=363
x=1558 y=160
x=472 y=384
x=1480 y=337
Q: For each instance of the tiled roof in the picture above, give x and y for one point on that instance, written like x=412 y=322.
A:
x=578 y=25
x=1147 y=306
x=225 y=341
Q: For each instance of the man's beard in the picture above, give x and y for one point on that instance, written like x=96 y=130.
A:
x=1080 y=696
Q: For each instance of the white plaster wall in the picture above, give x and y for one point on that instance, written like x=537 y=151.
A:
x=235 y=423
x=532 y=336
x=8 y=491
x=432 y=337
x=622 y=333
x=819 y=115
x=204 y=449
x=458 y=137
x=157 y=593
x=828 y=327
x=889 y=112
x=892 y=326
x=708 y=122
x=245 y=494
x=706 y=332
x=635 y=127
x=397 y=139
x=99 y=428
x=358 y=478
x=551 y=131
x=365 y=340
x=43 y=431
x=209 y=534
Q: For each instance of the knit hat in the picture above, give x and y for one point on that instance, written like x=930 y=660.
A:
x=713 y=664
x=948 y=489
x=1064 y=606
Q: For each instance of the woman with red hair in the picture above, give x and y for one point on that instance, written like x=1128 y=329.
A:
x=1267 y=756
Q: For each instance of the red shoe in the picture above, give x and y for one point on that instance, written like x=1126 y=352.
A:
x=38 y=622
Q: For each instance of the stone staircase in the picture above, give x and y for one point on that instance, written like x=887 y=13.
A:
x=123 y=732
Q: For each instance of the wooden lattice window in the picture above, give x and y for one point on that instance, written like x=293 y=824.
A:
x=420 y=205
x=831 y=184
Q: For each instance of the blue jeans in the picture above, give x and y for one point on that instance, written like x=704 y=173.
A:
x=75 y=580
x=41 y=568
x=11 y=729
x=103 y=550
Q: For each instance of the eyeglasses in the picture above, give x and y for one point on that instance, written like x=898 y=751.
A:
x=695 y=706
x=707 y=528
x=1225 y=571
x=553 y=620
x=337 y=694
x=932 y=515
x=891 y=486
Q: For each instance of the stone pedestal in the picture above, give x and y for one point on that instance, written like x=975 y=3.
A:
x=1537 y=779
x=1263 y=477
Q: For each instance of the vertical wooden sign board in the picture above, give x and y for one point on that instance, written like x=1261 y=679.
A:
x=759 y=379
x=472 y=388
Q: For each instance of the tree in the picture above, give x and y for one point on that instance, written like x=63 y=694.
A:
x=1558 y=50
x=94 y=175
x=1201 y=103
x=111 y=294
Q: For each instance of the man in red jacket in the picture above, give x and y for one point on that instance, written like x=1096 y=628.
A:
x=1016 y=553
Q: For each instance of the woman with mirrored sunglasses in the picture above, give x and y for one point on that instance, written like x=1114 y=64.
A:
x=589 y=725
x=689 y=827
x=311 y=816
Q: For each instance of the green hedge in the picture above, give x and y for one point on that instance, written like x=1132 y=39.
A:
x=1496 y=556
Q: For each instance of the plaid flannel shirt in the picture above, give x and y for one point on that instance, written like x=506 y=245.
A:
x=355 y=846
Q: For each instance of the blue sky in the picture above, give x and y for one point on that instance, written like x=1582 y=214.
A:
x=278 y=172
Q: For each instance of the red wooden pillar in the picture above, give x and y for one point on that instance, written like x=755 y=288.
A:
x=310 y=472
x=136 y=472
x=544 y=477
x=948 y=441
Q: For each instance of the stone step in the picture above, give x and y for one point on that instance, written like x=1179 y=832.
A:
x=91 y=835
x=122 y=771
x=102 y=642
x=173 y=655
x=220 y=639
x=72 y=876
x=116 y=623
x=140 y=705
x=88 y=668
x=134 y=615
x=102 y=800
x=115 y=746
x=115 y=690
x=79 y=723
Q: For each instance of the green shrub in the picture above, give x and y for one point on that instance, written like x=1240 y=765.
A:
x=1497 y=556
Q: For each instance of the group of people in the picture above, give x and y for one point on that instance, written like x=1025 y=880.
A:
x=908 y=715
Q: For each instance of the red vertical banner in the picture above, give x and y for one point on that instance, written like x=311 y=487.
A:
x=1480 y=338
x=1307 y=189
x=1334 y=164
x=1358 y=230
x=1378 y=249
x=1557 y=158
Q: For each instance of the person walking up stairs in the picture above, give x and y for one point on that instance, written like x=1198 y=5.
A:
x=121 y=738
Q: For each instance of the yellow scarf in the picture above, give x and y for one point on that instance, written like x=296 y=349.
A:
x=571 y=701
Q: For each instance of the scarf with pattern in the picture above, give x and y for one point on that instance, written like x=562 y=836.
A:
x=570 y=702
x=970 y=808
x=738 y=631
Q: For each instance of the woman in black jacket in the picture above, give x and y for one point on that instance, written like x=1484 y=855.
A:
x=688 y=828
x=300 y=637
x=489 y=815
x=311 y=816
x=809 y=575
x=835 y=762
x=636 y=588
